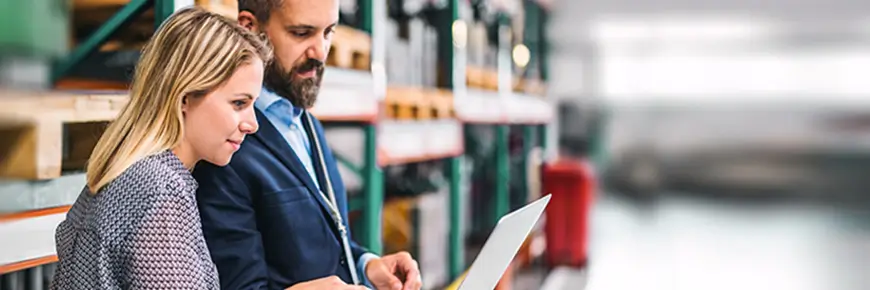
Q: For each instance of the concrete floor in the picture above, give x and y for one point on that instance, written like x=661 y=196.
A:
x=692 y=242
x=704 y=243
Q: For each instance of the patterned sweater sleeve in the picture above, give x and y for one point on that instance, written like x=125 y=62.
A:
x=161 y=249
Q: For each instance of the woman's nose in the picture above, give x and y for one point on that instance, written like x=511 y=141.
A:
x=249 y=125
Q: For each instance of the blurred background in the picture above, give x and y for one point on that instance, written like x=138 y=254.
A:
x=687 y=144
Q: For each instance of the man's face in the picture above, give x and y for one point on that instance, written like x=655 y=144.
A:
x=301 y=32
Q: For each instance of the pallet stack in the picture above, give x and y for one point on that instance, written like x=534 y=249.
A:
x=481 y=72
x=350 y=48
x=412 y=73
x=46 y=133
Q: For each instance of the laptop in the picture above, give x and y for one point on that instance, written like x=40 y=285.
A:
x=502 y=245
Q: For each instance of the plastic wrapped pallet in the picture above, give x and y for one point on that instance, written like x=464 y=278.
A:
x=397 y=61
x=477 y=44
x=432 y=212
x=430 y=65
x=417 y=37
x=394 y=57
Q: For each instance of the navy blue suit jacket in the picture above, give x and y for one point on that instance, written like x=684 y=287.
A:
x=264 y=221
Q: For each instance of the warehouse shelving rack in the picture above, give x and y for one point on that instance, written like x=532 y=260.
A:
x=350 y=98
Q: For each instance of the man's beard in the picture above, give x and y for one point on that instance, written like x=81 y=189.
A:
x=302 y=93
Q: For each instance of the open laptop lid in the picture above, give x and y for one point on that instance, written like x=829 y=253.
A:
x=502 y=245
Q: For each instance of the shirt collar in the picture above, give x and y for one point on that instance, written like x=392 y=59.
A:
x=273 y=103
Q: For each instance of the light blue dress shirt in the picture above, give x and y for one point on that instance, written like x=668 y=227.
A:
x=287 y=119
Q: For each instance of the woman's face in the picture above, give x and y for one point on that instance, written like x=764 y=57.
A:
x=216 y=124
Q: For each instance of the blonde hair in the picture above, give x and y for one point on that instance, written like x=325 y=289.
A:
x=192 y=53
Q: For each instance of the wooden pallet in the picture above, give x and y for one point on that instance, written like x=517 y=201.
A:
x=406 y=103
x=418 y=103
x=481 y=78
x=529 y=86
x=60 y=138
x=441 y=103
x=350 y=48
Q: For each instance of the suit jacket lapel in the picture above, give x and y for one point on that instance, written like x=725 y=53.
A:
x=276 y=143
x=322 y=173
x=315 y=158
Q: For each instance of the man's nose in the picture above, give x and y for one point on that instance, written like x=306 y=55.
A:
x=319 y=49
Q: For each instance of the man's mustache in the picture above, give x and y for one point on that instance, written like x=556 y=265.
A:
x=309 y=65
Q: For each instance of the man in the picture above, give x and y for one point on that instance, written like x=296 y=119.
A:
x=268 y=217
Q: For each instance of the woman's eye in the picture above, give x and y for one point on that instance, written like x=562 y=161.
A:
x=239 y=103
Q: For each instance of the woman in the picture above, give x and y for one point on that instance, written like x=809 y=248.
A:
x=136 y=223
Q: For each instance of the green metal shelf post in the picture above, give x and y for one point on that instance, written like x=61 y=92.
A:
x=450 y=65
x=542 y=136
x=456 y=246
x=533 y=33
x=366 y=15
x=528 y=144
x=543 y=66
x=373 y=193
x=544 y=45
x=373 y=178
x=502 y=178
x=162 y=10
x=502 y=131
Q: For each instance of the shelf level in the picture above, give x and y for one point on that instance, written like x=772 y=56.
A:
x=401 y=141
x=483 y=106
x=33 y=244
x=346 y=95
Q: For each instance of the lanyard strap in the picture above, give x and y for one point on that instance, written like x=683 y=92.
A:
x=331 y=201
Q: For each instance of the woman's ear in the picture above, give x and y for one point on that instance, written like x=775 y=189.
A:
x=184 y=104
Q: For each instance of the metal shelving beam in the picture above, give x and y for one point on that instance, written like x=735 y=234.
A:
x=99 y=37
x=349 y=164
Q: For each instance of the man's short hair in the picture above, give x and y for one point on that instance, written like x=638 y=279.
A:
x=261 y=9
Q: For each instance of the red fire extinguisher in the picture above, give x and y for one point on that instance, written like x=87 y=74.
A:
x=572 y=183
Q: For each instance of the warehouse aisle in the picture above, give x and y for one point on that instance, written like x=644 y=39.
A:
x=697 y=243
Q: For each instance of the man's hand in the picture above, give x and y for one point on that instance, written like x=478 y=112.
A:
x=394 y=272
x=328 y=283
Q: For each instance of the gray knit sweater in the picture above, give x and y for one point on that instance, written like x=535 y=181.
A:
x=141 y=232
